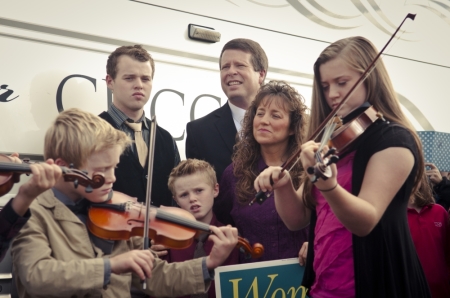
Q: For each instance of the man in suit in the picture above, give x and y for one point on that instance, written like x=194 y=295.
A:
x=130 y=71
x=243 y=68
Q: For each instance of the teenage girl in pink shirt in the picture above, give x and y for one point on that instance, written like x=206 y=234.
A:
x=359 y=244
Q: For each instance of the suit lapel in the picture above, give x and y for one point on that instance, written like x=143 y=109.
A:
x=225 y=126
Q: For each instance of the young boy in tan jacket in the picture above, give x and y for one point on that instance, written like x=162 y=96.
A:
x=55 y=255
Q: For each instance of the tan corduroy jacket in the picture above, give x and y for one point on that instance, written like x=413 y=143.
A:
x=53 y=257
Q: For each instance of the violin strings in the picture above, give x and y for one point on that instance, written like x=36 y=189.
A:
x=7 y=166
x=185 y=222
x=328 y=131
x=325 y=138
x=160 y=214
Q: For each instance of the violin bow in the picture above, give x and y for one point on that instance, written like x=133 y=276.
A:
x=151 y=155
x=261 y=196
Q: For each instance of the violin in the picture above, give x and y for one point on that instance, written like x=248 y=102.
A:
x=123 y=217
x=344 y=137
x=10 y=174
x=339 y=140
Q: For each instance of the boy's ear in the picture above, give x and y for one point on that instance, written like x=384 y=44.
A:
x=216 y=190
x=62 y=163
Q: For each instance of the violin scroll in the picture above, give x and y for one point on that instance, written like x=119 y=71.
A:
x=251 y=252
x=321 y=170
x=10 y=173
x=81 y=178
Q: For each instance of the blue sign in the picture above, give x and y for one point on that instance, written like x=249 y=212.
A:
x=436 y=148
x=272 y=279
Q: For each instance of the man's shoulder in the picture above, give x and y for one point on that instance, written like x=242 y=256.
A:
x=104 y=115
x=107 y=117
x=217 y=113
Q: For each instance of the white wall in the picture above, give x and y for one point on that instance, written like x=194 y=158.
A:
x=44 y=41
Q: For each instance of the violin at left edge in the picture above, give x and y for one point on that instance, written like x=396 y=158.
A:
x=10 y=172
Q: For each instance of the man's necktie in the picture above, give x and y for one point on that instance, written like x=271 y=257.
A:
x=141 y=146
x=198 y=253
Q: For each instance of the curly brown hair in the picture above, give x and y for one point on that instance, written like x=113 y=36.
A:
x=248 y=150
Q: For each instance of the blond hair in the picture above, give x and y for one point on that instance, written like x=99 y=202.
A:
x=192 y=166
x=75 y=135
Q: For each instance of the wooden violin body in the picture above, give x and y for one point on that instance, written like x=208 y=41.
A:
x=343 y=136
x=123 y=217
x=340 y=140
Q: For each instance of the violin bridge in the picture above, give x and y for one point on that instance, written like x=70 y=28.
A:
x=380 y=116
x=338 y=121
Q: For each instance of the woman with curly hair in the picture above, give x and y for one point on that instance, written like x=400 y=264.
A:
x=274 y=128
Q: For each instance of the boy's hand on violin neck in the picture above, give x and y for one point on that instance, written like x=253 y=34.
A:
x=15 y=157
x=158 y=249
x=139 y=262
x=225 y=240
x=44 y=176
x=271 y=178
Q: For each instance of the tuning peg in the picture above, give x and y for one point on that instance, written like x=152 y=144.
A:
x=89 y=189
x=333 y=159
x=330 y=152
x=75 y=183
x=71 y=166
x=311 y=171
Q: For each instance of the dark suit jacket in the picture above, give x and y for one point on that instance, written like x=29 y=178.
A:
x=212 y=138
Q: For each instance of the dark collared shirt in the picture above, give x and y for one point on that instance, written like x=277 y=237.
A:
x=120 y=118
